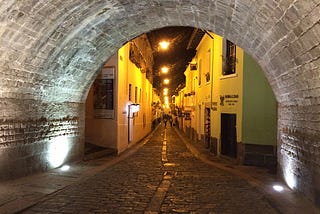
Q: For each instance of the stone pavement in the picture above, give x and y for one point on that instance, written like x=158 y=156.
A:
x=163 y=174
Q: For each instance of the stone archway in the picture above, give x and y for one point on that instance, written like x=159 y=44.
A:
x=50 y=52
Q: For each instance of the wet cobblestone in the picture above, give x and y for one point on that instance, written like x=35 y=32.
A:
x=130 y=186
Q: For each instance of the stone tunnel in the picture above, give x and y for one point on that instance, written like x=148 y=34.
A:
x=51 y=51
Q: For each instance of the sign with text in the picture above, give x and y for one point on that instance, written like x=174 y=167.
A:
x=229 y=99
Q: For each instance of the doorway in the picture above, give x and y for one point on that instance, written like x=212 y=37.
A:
x=229 y=135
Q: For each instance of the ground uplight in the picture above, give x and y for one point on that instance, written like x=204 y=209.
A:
x=65 y=168
x=278 y=188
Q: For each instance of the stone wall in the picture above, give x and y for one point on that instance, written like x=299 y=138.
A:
x=42 y=139
x=51 y=51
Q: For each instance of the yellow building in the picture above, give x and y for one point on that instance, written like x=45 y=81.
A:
x=118 y=107
x=228 y=104
x=156 y=108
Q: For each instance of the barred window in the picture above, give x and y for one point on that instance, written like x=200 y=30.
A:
x=229 y=58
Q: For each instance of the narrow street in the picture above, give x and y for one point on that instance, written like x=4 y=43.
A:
x=163 y=176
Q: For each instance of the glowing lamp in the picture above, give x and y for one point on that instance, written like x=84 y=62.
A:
x=65 y=168
x=166 y=81
x=164 y=45
x=135 y=108
x=164 y=70
x=278 y=188
x=58 y=150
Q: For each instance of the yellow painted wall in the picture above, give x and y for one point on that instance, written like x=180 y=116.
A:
x=156 y=112
x=207 y=93
x=141 y=123
x=224 y=94
x=113 y=133
x=215 y=87
x=232 y=85
x=204 y=60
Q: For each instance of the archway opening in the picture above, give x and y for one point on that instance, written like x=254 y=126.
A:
x=214 y=82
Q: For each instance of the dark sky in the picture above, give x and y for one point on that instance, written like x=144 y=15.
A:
x=176 y=57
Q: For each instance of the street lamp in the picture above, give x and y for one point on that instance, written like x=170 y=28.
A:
x=166 y=81
x=164 y=45
x=164 y=69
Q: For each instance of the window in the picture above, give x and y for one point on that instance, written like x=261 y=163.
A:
x=103 y=94
x=130 y=92
x=229 y=58
x=136 y=94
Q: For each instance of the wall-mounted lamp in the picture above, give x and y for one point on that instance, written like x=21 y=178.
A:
x=193 y=66
x=132 y=109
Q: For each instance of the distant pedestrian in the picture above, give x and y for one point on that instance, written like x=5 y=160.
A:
x=170 y=120
x=165 y=122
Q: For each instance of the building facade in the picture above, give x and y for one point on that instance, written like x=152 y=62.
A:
x=228 y=104
x=118 y=107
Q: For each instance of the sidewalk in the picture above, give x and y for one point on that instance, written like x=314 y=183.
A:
x=286 y=201
x=17 y=195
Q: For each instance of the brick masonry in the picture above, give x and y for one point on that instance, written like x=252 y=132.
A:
x=50 y=52
x=29 y=145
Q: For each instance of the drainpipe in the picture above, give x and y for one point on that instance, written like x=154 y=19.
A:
x=211 y=68
x=129 y=121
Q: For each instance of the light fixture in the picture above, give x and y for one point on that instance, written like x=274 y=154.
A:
x=65 y=168
x=58 y=151
x=278 y=188
x=193 y=66
x=166 y=81
x=164 y=45
x=135 y=108
x=164 y=69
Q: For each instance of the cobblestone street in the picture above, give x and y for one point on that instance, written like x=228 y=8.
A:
x=162 y=176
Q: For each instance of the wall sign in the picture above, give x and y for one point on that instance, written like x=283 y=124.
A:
x=229 y=99
x=103 y=95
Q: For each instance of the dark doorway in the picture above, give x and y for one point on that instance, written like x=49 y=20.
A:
x=229 y=135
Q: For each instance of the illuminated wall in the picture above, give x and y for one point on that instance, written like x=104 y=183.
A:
x=101 y=131
x=213 y=86
x=141 y=92
x=156 y=105
x=42 y=143
x=113 y=133
x=208 y=88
